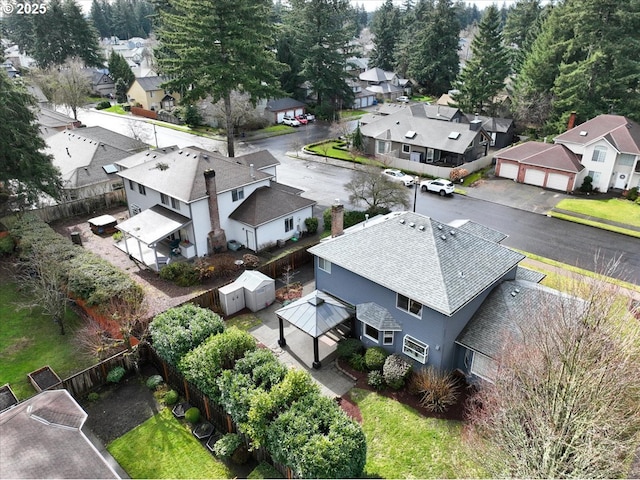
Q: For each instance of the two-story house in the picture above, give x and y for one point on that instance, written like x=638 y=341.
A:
x=204 y=200
x=439 y=294
x=149 y=93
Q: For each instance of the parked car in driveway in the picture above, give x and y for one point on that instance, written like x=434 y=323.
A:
x=310 y=117
x=439 y=185
x=398 y=176
x=291 y=121
x=403 y=99
x=302 y=119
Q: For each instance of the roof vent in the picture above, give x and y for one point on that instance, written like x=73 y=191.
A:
x=439 y=227
x=514 y=293
x=188 y=154
x=583 y=133
x=146 y=154
x=402 y=221
x=412 y=225
x=517 y=290
x=421 y=228
x=454 y=135
x=443 y=237
x=398 y=122
x=452 y=232
x=410 y=134
x=180 y=152
x=461 y=274
x=206 y=157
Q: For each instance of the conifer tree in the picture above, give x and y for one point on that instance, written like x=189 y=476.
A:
x=386 y=28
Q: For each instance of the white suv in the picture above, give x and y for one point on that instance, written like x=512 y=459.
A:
x=398 y=176
x=291 y=121
x=440 y=186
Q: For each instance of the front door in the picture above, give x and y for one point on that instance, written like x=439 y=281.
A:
x=621 y=181
x=250 y=240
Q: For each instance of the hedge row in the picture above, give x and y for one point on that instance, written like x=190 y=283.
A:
x=89 y=277
x=278 y=408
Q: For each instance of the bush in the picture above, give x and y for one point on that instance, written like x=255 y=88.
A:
x=227 y=445
x=632 y=194
x=7 y=245
x=347 y=347
x=171 y=397
x=182 y=274
x=312 y=224
x=375 y=379
x=154 y=381
x=117 y=236
x=351 y=217
x=264 y=470
x=357 y=362
x=192 y=415
x=437 y=390
x=587 y=184
x=103 y=104
x=375 y=357
x=93 y=397
x=395 y=371
x=115 y=374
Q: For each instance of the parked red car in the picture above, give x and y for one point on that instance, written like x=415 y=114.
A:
x=302 y=119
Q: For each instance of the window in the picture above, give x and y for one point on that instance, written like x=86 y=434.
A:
x=387 y=338
x=164 y=199
x=382 y=146
x=237 y=194
x=626 y=160
x=141 y=189
x=406 y=148
x=415 y=349
x=430 y=155
x=324 y=265
x=599 y=154
x=175 y=204
x=371 y=333
x=408 y=305
x=151 y=94
x=288 y=224
x=135 y=209
x=484 y=367
x=131 y=185
x=595 y=177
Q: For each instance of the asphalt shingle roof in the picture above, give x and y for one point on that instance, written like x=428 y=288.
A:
x=280 y=104
x=150 y=84
x=377 y=316
x=268 y=203
x=621 y=132
x=426 y=260
x=549 y=155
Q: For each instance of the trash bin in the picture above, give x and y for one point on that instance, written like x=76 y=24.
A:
x=76 y=238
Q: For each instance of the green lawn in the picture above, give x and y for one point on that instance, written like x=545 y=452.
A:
x=244 y=322
x=333 y=152
x=403 y=444
x=116 y=109
x=162 y=447
x=615 y=209
x=30 y=340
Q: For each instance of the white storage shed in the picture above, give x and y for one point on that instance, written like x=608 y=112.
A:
x=259 y=289
x=231 y=298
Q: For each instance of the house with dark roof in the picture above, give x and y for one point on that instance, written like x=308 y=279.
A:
x=277 y=108
x=43 y=437
x=86 y=159
x=205 y=202
x=605 y=148
x=415 y=293
x=149 y=93
x=501 y=130
x=52 y=122
x=101 y=82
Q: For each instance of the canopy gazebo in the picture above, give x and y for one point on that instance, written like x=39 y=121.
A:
x=315 y=314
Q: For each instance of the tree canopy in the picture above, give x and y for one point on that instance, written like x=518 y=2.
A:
x=386 y=28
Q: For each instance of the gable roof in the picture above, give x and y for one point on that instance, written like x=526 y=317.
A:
x=42 y=438
x=109 y=137
x=260 y=159
x=180 y=173
x=429 y=133
x=622 y=133
x=492 y=124
x=50 y=119
x=376 y=75
x=150 y=84
x=279 y=104
x=435 y=112
x=549 y=155
x=440 y=275
x=268 y=203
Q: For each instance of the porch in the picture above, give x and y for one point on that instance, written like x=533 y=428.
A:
x=152 y=258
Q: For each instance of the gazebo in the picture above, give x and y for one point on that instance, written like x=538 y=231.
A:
x=315 y=314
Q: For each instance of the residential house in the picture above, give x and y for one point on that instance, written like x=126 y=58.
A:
x=86 y=158
x=386 y=85
x=44 y=436
x=101 y=82
x=543 y=164
x=52 y=122
x=149 y=93
x=606 y=148
x=501 y=130
x=277 y=108
x=416 y=291
x=609 y=149
x=421 y=110
x=205 y=202
x=413 y=133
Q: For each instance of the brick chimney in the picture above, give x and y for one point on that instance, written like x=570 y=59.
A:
x=216 y=240
x=337 y=219
x=572 y=121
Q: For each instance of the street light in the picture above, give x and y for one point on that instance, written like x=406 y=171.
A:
x=416 y=185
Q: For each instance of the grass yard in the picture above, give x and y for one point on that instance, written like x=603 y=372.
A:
x=30 y=340
x=162 y=447
x=116 y=109
x=403 y=444
x=615 y=209
x=333 y=152
x=244 y=322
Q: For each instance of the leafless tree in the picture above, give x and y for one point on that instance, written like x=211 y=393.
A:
x=565 y=402
x=340 y=130
x=66 y=85
x=296 y=144
x=377 y=193
x=130 y=313
x=96 y=342
x=288 y=273
x=242 y=111
x=138 y=130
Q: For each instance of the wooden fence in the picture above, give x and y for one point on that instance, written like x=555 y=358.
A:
x=83 y=206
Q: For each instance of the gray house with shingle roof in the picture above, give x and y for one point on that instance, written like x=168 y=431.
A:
x=203 y=200
x=416 y=283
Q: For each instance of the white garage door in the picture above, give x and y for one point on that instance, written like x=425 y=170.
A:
x=558 y=181
x=534 y=177
x=508 y=170
x=279 y=117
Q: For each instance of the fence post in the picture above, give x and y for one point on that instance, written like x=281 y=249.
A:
x=186 y=389
x=205 y=399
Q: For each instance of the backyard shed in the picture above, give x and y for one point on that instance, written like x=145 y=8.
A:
x=231 y=298
x=259 y=289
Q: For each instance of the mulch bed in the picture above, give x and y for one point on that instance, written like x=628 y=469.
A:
x=455 y=412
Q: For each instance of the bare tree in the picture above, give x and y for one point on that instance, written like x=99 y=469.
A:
x=370 y=188
x=242 y=110
x=565 y=401
x=138 y=131
x=67 y=85
x=340 y=130
x=288 y=273
x=296 y=144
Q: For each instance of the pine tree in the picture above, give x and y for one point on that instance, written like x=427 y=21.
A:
x=119 y=69
x=25 y=171
x=386 y=28
x=483 y=77
x=213 y=48
x=99 y=19
x=521 y=28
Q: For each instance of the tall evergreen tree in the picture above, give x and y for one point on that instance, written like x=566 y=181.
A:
x=434 y=61
x=413 y=20
x=213 y=48
x=119 y=69
x=483 y=77
x=521 y=29
x=322 y=35
x=25 y=171
x=386 y=27
x=99 y=19
x=290 y=79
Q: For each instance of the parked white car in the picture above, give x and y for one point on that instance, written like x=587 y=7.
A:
x=398 y=176
x=310 y=117
x=291 y=121
x=403 y=99
x=439 y=185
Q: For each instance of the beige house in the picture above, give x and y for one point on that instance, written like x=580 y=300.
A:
x=147 y=92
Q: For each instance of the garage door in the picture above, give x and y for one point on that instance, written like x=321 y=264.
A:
x=558 y=181
x=280 y=116
x=508 y=170
x=534 y=177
